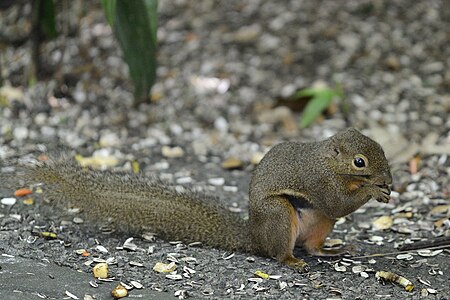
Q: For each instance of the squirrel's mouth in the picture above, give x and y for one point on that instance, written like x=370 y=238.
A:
x=361 y=180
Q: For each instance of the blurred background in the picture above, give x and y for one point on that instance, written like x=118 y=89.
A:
x=243 y=70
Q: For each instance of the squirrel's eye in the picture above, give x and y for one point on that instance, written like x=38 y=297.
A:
x=359 y=162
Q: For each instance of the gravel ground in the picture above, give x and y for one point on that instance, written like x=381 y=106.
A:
x=222 y=67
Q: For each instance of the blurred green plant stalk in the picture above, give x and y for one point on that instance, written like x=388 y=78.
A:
x=320 y=99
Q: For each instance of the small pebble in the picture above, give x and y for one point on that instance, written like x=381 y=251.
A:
x=8 y=201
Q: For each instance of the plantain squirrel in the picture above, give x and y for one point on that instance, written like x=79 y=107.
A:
x=296 y=193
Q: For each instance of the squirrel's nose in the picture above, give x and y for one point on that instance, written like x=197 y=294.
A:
x=387 y=177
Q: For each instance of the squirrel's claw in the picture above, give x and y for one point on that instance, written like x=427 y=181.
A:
x=297 y=264
x=385 y=193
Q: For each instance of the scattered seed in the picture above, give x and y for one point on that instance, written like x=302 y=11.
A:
x=28 y=201
x=423 y=281
x=382 y=223
x=69 y=294
x=148 y=236
x=48 y=235
x=93 y=283
x=390 y=276
x=333 y=243
x=181 y=294
x=100 y=270
x=189 y=270
x=174 y=276
x=429 y=253
x=78 y=220
x=227 y=256
x=129 y=245
x=22 y=192
x=358 y=269
x=405 y=256
x=255 y=279
x=262 y=274
x=364 y=274
x=172 y=152
x=136 y=284
x=339 y=268
x=195 y=244
x=127 y=286
x=164 y=268
x=8 y=201
x=101 y=248
x=119 y=292
x=232 y=163
x=135 y=264
x=217 y=181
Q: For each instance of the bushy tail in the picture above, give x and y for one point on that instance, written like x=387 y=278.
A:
x=134 y=203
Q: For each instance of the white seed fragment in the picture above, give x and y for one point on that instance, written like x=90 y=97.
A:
x=429 y=253
x=136 y=284
x=180 y=294
x=174 y=276
x=80 y=251
x=217 y=181
x=405 y=256
x=364 y=274
x=135 y=264
x=331 y=243
x=93 y=283
x=78 y=220
x=188 y=270
x=227 y=256
x=8 y=201
x=358 y=269
x=129 y=245
x=339 y=268
x=72 y=296
x=101 y=248
x=127 y=286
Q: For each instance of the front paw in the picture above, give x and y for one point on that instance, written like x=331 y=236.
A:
x=297 y=264
x=383 y=193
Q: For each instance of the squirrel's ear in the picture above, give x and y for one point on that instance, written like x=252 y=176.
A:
x=333 y=150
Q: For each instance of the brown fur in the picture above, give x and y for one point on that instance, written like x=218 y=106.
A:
x=318 y=174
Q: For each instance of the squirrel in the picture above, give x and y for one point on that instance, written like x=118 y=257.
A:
x=296 y=193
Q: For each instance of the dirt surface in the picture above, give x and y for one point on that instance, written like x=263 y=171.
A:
x=222 y=67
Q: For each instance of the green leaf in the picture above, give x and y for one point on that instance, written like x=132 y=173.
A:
x=135 y=27
x=152 y=11
x=47 y=18
x=109 y=6
x=321 y=98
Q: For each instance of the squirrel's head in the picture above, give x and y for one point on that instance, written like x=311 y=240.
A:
x=354 y=155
